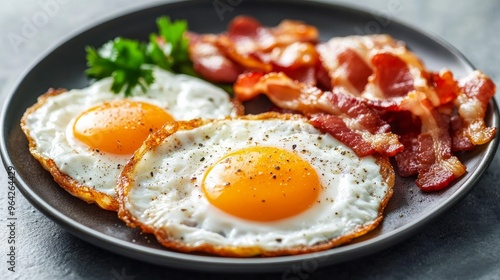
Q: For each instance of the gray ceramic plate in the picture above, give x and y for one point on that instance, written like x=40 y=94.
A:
x=408 y=211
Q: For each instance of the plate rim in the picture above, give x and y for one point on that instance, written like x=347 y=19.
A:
x=213 y=263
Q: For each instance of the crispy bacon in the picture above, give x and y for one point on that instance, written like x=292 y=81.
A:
x=245 y=86
x=249 y=46
x=391 y=78
x=250 y=35
x=297 y=60
x=460 y=139
x=406 y=160
x=476 y=91
x=356 y=70
x=392 y=75
x=445 y=86
x=347 y=118
x=336 y=126
x=431 y=153
x=209 y=61
x=379 y=69
x=407 y=126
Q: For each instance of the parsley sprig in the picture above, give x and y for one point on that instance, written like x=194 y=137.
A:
x=129 y=62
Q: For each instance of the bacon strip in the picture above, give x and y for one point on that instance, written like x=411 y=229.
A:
x=399 y=82
x=392 y=75
x=430 y=153
x=356 y=70
x=250 y=35
x=460 y=139
x=377 y=68
x=249 y=46
x=336 y=126
x=476 y=91
x=209 y=61
x=432 y=156
x=347 y=118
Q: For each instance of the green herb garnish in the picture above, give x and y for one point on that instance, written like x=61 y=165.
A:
x=125 y=61
x=172 y=43
x=130 y=62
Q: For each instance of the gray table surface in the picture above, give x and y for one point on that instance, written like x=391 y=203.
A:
x=464 y=243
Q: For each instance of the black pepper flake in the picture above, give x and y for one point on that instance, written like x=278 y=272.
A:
x=294 y=146
x=202 y=159
x=183 y=209
x=279 y=240
x=151 y=173
x=274 y=176
x=227 y=184
x=277 y=167
x=343 y=153
x=263 y=200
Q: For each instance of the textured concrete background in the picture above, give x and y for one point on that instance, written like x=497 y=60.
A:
x=464 y=243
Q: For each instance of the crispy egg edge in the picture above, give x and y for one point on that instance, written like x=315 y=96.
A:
x=85 y=193
x=126 y=181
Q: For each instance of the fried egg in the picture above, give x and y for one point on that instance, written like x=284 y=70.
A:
x=267 y=185
x=84 y=137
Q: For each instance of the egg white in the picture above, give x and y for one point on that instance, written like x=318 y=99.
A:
x=165 y=192
x=50 y=125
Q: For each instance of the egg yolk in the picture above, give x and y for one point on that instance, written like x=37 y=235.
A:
x=261 y=184
x=120 y=126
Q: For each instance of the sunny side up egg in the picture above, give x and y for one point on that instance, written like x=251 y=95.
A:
x=84 y=137
x=267 y=184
